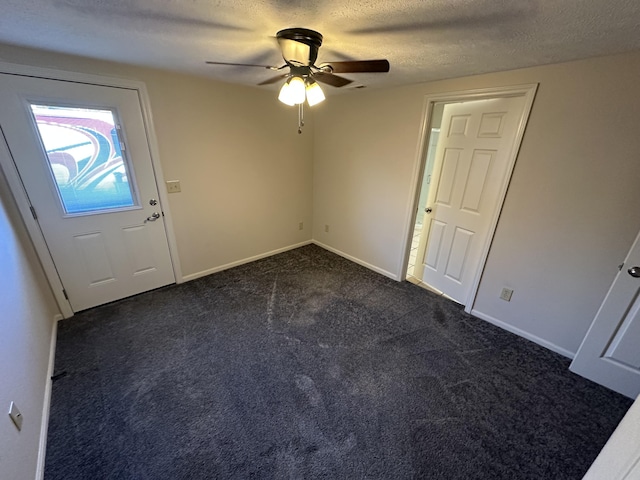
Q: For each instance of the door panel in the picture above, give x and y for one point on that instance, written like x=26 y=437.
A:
x=436 y=234
x=476 y=181
x=609 y=353
x=460 y=244
x=491 y=125
x=82 y=154
x=136 y=239
x=471 y=163
x=457 y=126
x=624 y=347
x=447 y=180
x=95 y=258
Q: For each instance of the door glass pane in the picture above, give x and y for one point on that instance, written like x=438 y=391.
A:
x=85 y=159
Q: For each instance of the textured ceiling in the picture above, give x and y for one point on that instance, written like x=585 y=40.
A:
x=423 y=40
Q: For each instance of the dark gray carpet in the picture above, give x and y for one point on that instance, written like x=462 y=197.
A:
x=305 y=366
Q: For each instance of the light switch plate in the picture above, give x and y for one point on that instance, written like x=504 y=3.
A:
x=173 y=186
x=15 y=415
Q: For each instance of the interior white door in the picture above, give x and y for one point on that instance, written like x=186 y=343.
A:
x=82 y=154
x=472 y=159
x=610 y=352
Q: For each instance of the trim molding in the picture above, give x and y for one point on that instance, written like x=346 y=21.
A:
x=237 y=263
x=46 y=408
x=379 y=270
x=524 y=334
x=8 y=167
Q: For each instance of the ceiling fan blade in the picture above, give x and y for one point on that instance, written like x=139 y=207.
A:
x=331 y=79
x=273 y=80
x=359 y=66
x=242 y=65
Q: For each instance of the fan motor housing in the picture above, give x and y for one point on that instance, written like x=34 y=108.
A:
x=308 y=37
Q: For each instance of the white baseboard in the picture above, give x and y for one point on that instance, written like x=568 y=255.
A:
x=379 y=270
x=237 y=263
x=46 y=407
x=522 y=333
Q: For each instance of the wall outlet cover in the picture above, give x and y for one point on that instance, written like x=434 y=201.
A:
x=506 y=294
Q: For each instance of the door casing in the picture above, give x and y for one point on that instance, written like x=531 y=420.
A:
x=528 y=91
x=22 y=201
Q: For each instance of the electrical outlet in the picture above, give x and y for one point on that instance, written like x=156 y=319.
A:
x=301 y=226
x=506 y=294
x=173 y=186
x=15 y=415
x=326 y=229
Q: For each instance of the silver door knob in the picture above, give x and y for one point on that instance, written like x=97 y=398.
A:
x=428 y=210
x=154 y=216
x=634 y=271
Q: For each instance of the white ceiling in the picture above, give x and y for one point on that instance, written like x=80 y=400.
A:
x=423 y=40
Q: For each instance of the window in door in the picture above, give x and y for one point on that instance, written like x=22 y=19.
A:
x=85 y=158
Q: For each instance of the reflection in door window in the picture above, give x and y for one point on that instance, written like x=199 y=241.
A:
x=85 y=158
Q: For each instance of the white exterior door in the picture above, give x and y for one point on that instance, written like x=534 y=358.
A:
x=610 y=352
x=82 y=154
x=476 y=142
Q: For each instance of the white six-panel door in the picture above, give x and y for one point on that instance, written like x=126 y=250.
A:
x=103 y=248
x=472 y=158
x=610 y=352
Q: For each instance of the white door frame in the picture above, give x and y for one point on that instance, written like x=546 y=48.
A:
x=528 y=91
x=8 y=166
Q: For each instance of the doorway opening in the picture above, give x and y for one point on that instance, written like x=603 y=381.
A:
x=425 y=185
x=468 y=150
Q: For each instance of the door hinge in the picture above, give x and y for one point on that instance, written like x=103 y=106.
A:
x=122 y=146
x=64 y=292
x=33 y=212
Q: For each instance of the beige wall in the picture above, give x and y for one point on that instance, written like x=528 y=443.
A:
x=245 y=172
x=28 y=311
x=571 y=212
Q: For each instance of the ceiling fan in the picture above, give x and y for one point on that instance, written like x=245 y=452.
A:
x=299 y=47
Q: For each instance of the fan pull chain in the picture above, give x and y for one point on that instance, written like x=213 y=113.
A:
x=300 y=117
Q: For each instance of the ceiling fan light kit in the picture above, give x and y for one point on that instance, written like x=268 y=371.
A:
x=299 y=47
x=315 y=95
x=293 y=91
x=298 y=89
